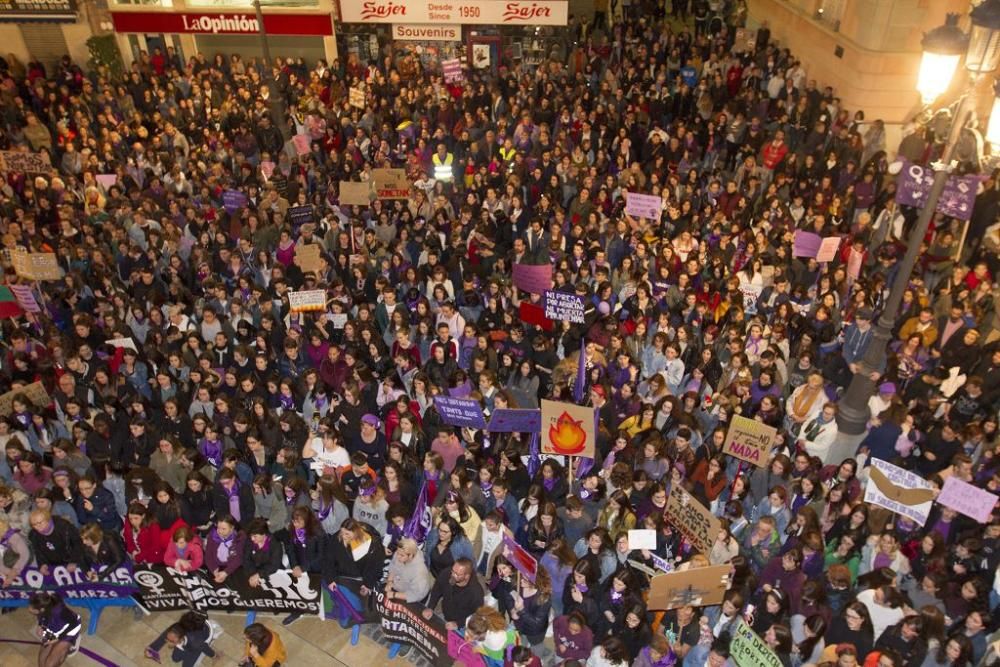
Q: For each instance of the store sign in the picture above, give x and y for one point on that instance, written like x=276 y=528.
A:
x=426 y=33
x=226 y=23
x=37 y=10
x=462 y=12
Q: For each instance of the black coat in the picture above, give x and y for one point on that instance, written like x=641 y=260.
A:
x=263 y=562
x=221 y=503
x=338 y=561
x=61 y=547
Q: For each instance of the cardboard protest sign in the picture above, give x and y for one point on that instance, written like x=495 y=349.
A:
x=564 y=307
x=460 y=412
x=519 y=557
x=568 y=430
x=828 y=247
x=28 y=163
x=34 y=392
x=356 y=97
x=308 y=256
x=697 y=587
x=967 y=499
x=696 y=523
x=36 y=265
x=749 y=440
x=307 y=301
x=509 y=420
x=899 y=490
x=533 y=278
x=747 y=649
x=391 y=183
x=643 y=206
x=806 y=244
x=355 y=194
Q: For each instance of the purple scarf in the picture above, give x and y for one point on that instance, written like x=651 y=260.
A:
x=212 y=450
x=300 y=536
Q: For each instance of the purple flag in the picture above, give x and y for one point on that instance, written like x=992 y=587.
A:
x=585 y=465
x=534 y=460
x=419 y=522
x=959 y=196
x=913 y=184
x=581 y=373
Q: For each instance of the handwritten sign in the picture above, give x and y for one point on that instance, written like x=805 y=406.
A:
x=509 y=420
x=519 y=557
x=564 y=307
x=460 y=412
x=967 y=499
x=300 y=215
x=695 y=587
x=233 y=201
x=391 y=183
x=34 y=392
x=355 y=194
x=356 y=98
x=747 y=649
x=689 y=516
x=36 y=265
x=27 y=163
x=899 y=490
x=308 y=256
x=750 y=440
x=307 y=301
x=828 y=249
x=533 y=278
x=643 y=206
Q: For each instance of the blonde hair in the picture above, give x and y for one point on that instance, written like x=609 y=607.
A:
x=408 y=545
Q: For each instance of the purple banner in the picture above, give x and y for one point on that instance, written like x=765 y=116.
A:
x=913 y=187
x=460 y=412
x=233 y=200
x=913 y=184
x=508 y=420
x=533 y=278
x=70 y=585
x=806 y=244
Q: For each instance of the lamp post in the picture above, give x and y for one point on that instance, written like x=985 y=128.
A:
x=275 y=100
x=943 y=49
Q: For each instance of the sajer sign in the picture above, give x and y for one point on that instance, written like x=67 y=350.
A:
x=461 y=12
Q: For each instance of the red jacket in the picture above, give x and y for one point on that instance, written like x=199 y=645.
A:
x=147 y=548
x=772 y=155
x=193 y=553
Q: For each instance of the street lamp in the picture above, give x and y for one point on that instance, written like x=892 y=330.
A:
x=943 y=50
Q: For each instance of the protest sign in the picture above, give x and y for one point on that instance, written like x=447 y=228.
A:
x=403 y=623
x=25 y=298
x=751 y=293
x=696 y=523
x=564 y=307
x=106 y=180
x=125 y=342
x=36 y=265
x=697 y=587
x=355 y=194
x=747 y=649
x=568 y=429
x=749 y=440
x=806 y=244
x=533 y=314
x=967 y=499
x=899 y=490
x=509 y=420
x=642 y=539
x=533 y=278
x=460 y=412
x=452 y=70
x=70 y=585
x=519 y=558
x=307 y=301
x=308 y=256
x=913 y=187
x=298 y=216
x=28 y=163
x=302 y=144
x=828 y=247
x=164 y=589
x=356 y=98
x=34 y=392
x=391 y=183
x=643 y=206
x=233 y=201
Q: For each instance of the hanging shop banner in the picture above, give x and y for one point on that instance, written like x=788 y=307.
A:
x=463 y=12
x=899 y=490
x=49 y=11
x=224 y=23
x=164 y=589
x=426 y=33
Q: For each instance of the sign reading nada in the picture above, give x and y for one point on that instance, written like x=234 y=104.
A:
x=468 y=12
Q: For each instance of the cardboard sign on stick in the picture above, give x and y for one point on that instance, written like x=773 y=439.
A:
x=697 y=587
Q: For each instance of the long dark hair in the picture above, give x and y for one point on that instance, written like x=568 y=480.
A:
x=259 y=636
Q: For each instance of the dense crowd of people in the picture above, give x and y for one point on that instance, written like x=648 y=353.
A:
x=196 y=422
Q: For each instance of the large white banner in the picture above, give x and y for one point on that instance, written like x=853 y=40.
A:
x=467 y=12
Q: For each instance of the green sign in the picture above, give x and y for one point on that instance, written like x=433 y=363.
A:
x=749 y=650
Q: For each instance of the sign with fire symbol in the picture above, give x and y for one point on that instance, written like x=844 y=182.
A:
x=567 y=429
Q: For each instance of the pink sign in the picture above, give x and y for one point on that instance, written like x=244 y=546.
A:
x=643 y=206
x=301 y=142
x=533 y=278
x=967 y=499
x=106 y=180
x=464 y=652
x=828 y=249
